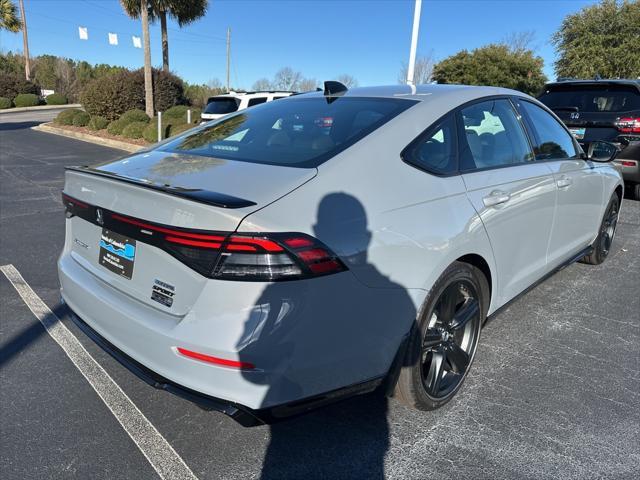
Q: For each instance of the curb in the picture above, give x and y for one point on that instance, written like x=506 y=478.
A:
x=105 y=142
x=39 y=107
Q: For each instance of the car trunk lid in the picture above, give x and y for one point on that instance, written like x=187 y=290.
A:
x=122 y=213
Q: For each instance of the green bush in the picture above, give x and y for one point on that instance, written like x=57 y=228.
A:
x=26 y=100
x=66 y=117
x=177 y=112
x=134 y=130
x=150 y=133
x=116 y=127
x=112 y=95
x=5 y=103
x=13 y=84
x=134 y=115
x=81 y=119
x=98 y=123
x=179 y=128
x=56 y=99
x=168 y=89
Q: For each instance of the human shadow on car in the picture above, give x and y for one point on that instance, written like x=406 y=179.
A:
x=308 y=337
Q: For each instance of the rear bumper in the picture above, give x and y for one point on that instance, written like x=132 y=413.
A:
x=306 y=338
x=245 y=416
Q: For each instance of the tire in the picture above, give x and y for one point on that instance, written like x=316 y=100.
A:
x=604 y=240
x=635 y=191
x=443 y=342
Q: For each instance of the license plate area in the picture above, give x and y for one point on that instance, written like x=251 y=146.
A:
x=117 y=253
x=578 y=132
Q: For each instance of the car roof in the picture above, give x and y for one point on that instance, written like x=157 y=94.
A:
x=421 y=93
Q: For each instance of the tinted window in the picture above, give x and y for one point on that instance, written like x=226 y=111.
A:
x=257 y=101
x=435 y=150
x=303 y=132
x=551 y=141
x=493 y=136
x=221 y=105
x=589 y=98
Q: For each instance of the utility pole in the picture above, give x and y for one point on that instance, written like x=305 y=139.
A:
x=25 y=42
x=414 y=42
x=228 y=58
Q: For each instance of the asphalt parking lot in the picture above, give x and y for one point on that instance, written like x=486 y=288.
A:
x=554 y=392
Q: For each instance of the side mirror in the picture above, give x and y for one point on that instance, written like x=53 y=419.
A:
x=600 y=151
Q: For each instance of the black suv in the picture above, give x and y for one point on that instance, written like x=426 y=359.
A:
x=602 y=110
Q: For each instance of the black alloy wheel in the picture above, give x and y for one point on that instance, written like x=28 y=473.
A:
x=450 y=339
x=443 y=341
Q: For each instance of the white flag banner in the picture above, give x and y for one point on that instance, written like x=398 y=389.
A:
x=84 y=34
x=113 y=39
x=136 y=41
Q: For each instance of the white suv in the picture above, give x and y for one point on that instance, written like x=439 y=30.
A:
x=221 y=105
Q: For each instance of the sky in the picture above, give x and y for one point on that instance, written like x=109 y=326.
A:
x=368 y=39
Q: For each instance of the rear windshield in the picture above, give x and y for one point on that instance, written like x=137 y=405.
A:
x=589 y=98
x=221 y=105
x=301 y=132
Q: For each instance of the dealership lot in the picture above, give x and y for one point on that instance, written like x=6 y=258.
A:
x=555 y=390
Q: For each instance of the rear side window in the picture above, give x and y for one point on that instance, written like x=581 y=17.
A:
x=551 y=140
x=493 y=136
x=435 y=150
x=257 y=101
x=303 y=132
x=589 y=98
x=221 y=105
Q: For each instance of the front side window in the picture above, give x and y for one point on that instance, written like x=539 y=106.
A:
x=303 y=132
x=493 y=136
x=552 y=141
x=435 y=150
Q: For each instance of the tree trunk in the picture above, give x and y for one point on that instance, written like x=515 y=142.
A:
x=148 y=80
x=25 y=43
x=165 y=41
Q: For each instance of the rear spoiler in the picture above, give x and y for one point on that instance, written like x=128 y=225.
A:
x=194 y=194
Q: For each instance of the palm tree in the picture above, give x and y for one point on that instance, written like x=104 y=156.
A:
x=135 y=9
x=183 y=11
x=8 y=17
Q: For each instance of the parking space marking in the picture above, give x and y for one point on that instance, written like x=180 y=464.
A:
x=160 y=454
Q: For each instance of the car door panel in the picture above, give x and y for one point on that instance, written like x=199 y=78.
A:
x=519 y=226
x=580 y=186
x=580 y=196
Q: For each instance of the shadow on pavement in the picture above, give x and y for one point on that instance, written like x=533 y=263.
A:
x=28 y=335
x=7 y=126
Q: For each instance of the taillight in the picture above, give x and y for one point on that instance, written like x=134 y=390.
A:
x=271 y=257
x=223 y=255
x=628 y=125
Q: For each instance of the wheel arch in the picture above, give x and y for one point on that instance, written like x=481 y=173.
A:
x=481 y=264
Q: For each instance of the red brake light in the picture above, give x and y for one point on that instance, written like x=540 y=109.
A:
x=215 y=360
x=628 y=125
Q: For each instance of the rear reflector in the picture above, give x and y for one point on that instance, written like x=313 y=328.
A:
x=215 y=360
x=262 y=257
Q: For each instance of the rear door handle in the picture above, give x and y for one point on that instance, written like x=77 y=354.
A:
x=564 y=182
x=497 y=197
